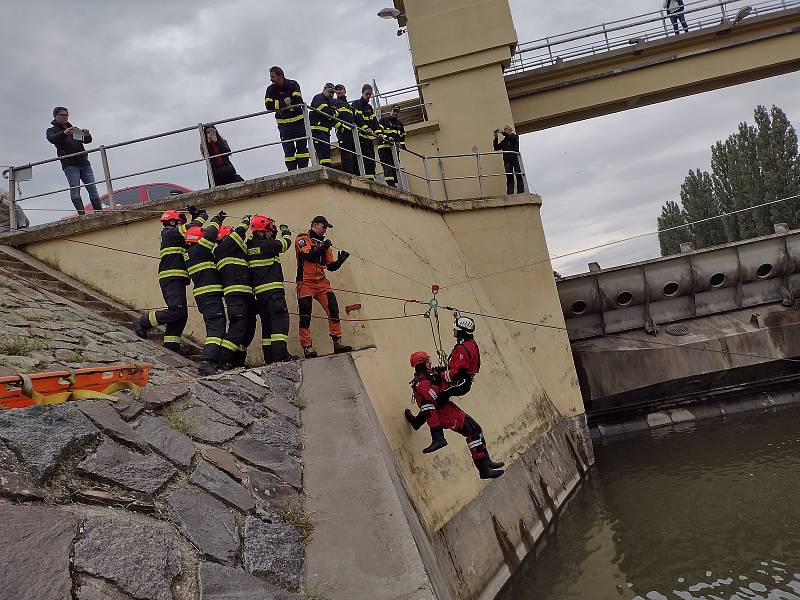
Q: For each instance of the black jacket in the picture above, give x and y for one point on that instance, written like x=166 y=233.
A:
x=344 y=112
x=231 y=256
x=201 y=264
x=326 y=106
x=509 y=143
x=365 y=118
x=392 y=129
x=263 y=258
x=66 y=145
x=274 y=100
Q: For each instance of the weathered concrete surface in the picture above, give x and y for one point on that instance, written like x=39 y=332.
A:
x=222 y=486
x=356 y=505
x=41 y=436
x=137 y=472
x=205 y=522
x=106 y=551
x=273 y=550
x=218 y=582
x=34 y=552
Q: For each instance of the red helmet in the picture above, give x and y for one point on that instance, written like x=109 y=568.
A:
x=170 y=215
x=224 y=231
x=194 y=235
x=262 y=223
x=418 y=358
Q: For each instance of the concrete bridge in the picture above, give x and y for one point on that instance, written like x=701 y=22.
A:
x=713 y=323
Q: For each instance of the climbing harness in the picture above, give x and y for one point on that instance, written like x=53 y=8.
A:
x=56 y=387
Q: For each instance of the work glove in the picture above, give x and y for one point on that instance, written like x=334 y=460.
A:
x=221 y=216
x=343 y=256
x=193 y=212
x=285 y=230
x=326 y=244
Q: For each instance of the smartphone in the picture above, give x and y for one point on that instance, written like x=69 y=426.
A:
x=77 y=134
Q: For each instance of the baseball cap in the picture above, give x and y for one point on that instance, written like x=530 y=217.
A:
x=321 y=219
x=339 y=86
x=328 y=86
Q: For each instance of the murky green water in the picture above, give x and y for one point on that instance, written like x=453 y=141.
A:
x=707 y=512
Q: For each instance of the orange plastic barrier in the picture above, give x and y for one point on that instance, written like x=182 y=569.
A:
x=55 y=387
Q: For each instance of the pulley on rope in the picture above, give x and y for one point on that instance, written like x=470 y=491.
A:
x=432 y=314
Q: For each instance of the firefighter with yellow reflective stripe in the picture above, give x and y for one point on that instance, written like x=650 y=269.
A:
x=207 y=289
x=234 y=274
x=263 y=257
x=367 y=123
x=173 y=278
x=393 y=132
x=281 y=96
x=344 y=132
x=322 y=109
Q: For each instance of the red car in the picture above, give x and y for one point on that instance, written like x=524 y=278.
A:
x=140 y=194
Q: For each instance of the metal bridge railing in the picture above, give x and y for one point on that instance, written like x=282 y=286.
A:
x=426 y=171
x=647 y=27
x=410 y=99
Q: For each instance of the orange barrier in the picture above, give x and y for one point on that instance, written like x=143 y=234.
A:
x=55 y=387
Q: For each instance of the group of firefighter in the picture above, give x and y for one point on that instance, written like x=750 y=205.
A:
x=331 y=110
x=229 y=270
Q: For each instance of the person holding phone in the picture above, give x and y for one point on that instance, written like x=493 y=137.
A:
x=69 y=140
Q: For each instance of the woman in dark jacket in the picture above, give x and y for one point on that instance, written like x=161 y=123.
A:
x=221 y=166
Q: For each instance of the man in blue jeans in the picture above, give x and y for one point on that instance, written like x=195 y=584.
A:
x=77 y=168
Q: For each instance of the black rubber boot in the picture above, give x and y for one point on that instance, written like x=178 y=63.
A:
x=268 y=358
x=437 y=440
x=141 y=326
x=339 y=347
x=493 y=464
x=206 y=368
x=309 y=353
x=486 y=471
x=416 y=422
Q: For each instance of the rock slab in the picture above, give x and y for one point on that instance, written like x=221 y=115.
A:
x=273 y=491
x=106 y=552
x=137 y=472
x=34 y=550
x=215 y=396
x=281 y=433
x=272 y=459
x=205 y=522
x=174 y=445
x=209 y=426
x=161 y=395
x=13 y=485
x=108 y=421
x=273 y=549
x=222 y=459
x=41 y=436
x=218 y=484
x=218 y=582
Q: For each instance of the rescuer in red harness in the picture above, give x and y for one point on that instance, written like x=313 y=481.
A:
x=441 y=415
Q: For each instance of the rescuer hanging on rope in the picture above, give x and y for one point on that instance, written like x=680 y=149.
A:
x=314 y=256
x=263 y=257
x=207 y=289
x=231 y=257
x=441 y=415
x=464 y=361
x=172 y=278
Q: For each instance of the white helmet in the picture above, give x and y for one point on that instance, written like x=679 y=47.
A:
x=464 y=325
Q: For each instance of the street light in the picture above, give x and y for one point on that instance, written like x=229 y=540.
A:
x=389 y=13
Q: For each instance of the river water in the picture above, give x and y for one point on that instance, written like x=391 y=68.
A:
x=709 y=511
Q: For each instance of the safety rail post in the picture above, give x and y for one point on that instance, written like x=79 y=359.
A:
x=312 y=151
x=428 y=176
x=549 y=49
x=12 y=196
x=398 y=174
x=204 y=149
x=525 y=187
x=722 y=6
x=107 y=175
x=362 y=171
x=480 y=174
x=605 y=35
x=664 y=22
x=444 y=183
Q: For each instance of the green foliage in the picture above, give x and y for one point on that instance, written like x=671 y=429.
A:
x=179 y=420
x=299 y=519
x=21 y=346
x=756 y=165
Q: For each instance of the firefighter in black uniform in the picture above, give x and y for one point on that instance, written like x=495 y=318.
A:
x=393 y=133
x=367 y=124
x=231 y=257
x=280 y=96
x=207 y=289
x=344 y=133
x=263 y=257
x=172 y=278
x=321 y=123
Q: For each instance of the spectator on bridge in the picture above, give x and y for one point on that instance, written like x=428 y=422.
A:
x=69 y=140
x=219 y=154
x=510 y=147
x=675 y=9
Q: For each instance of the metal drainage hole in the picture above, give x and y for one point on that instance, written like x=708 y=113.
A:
x=677 y=329
x=671 y=288
x=624 y=298
x=764 y=270
x=578 y=307
x=717 y=280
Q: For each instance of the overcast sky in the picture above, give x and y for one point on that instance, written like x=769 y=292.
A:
x=130 y=69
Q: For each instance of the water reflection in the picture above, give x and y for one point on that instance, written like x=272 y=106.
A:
x=707 y=512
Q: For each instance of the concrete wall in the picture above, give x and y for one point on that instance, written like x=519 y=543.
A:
x=400 y=246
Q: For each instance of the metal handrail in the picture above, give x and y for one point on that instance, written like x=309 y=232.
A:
x=561 y=47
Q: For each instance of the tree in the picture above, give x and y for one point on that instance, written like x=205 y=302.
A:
x=756 y=165
x=670 y=232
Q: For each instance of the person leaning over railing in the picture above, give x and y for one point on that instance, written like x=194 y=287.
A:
x=394 y=132
x=344 y=133
x=367 y=124
x=69 y=140
x=281 y=95
x=323 y=108
x=219 y=156
x=510 y=147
